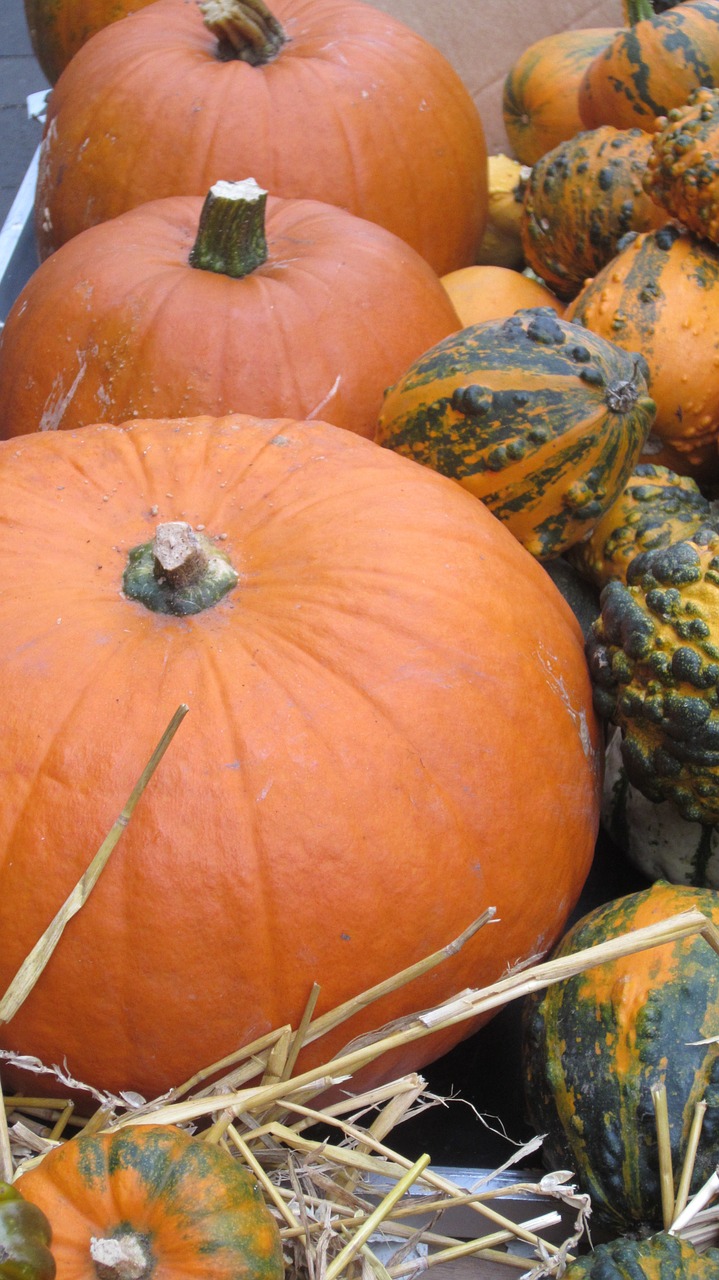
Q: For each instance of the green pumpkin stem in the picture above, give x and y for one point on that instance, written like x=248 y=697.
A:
x=231 y=239
x=180 y=572
x=245 y=29
x=637 y=11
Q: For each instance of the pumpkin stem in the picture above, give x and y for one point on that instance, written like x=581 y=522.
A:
x=122 y=1257
x=231 y=239
x=637 y=11
x=245 y=30
x=622 y=396
x=179 y=572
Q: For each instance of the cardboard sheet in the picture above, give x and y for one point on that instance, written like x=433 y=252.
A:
x=482 y=38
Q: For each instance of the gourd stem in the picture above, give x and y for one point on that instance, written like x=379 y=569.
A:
x=122 y=1257
x=180 y=572
x=245 y=30
x=637 y=11
x=231 y=239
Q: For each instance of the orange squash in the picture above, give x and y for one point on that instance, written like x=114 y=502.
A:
x=153 y=1201
x=279 y=307
x=540 y=104
x=386 y=698
x=493 y=293
x=347 y=106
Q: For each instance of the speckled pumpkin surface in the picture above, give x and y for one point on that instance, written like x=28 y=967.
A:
x=531 y=414
x=682 y=172
x=654 y=660
x=659 y=296
x=580 y=199
x=594 y=1045
x=656 y=507
x=659 y=1257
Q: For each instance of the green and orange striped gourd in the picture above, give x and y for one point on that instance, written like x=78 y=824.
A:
x=681 y=171
x=652 y=65
x=658 y=1257
x=596 y=1045
x=531 y=414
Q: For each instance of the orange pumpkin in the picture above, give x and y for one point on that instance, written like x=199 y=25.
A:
x=493 y=293
x=540 y=104
x=181 y=308
x=347 y=105
x=58 y=28
x=153 y=1201
x=390 y=696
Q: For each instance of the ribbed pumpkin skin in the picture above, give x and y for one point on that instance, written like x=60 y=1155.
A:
x=117 y=324
x=580 y=199
x=190 y=1203
x=353 y=713
x=147 y=109
x=681 y=169
x=58 y=28
x=656 y=507
x=659 y=296
x=654 y=659
x=594 y=1045
x=518 y=412
x=659 y=1257
x=540 y=105
x=651 y=67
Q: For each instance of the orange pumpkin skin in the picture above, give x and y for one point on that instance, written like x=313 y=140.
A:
x=492 y=293
x=117 y=324
x=149 y=109
x=658 y=296
x=176 y=1198
x=540 y=103
x=58 y=28
x=363 y=742
x=651 y=67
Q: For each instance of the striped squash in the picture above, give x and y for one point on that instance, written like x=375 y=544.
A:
x=594 y=1045
x=652 y=65
x=533 y=415
x=681 y=174
x=659 y=296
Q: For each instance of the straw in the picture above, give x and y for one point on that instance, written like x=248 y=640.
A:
x=666 y=1174
x=685 y=1178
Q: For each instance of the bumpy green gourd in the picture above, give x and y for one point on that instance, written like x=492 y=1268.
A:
x=24 y=1238
x=654 y=660
x=682 y=172
x=659 y=1257
x=657 y=507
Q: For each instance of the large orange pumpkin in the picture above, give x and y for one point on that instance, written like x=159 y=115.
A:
x=335 y=101
x=179 y=307
x=58 y=28
x=390 y=730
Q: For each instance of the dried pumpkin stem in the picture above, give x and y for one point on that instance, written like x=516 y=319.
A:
x=231 y=239
x=123 y=1257
x=245 y=29
x=180 y=572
